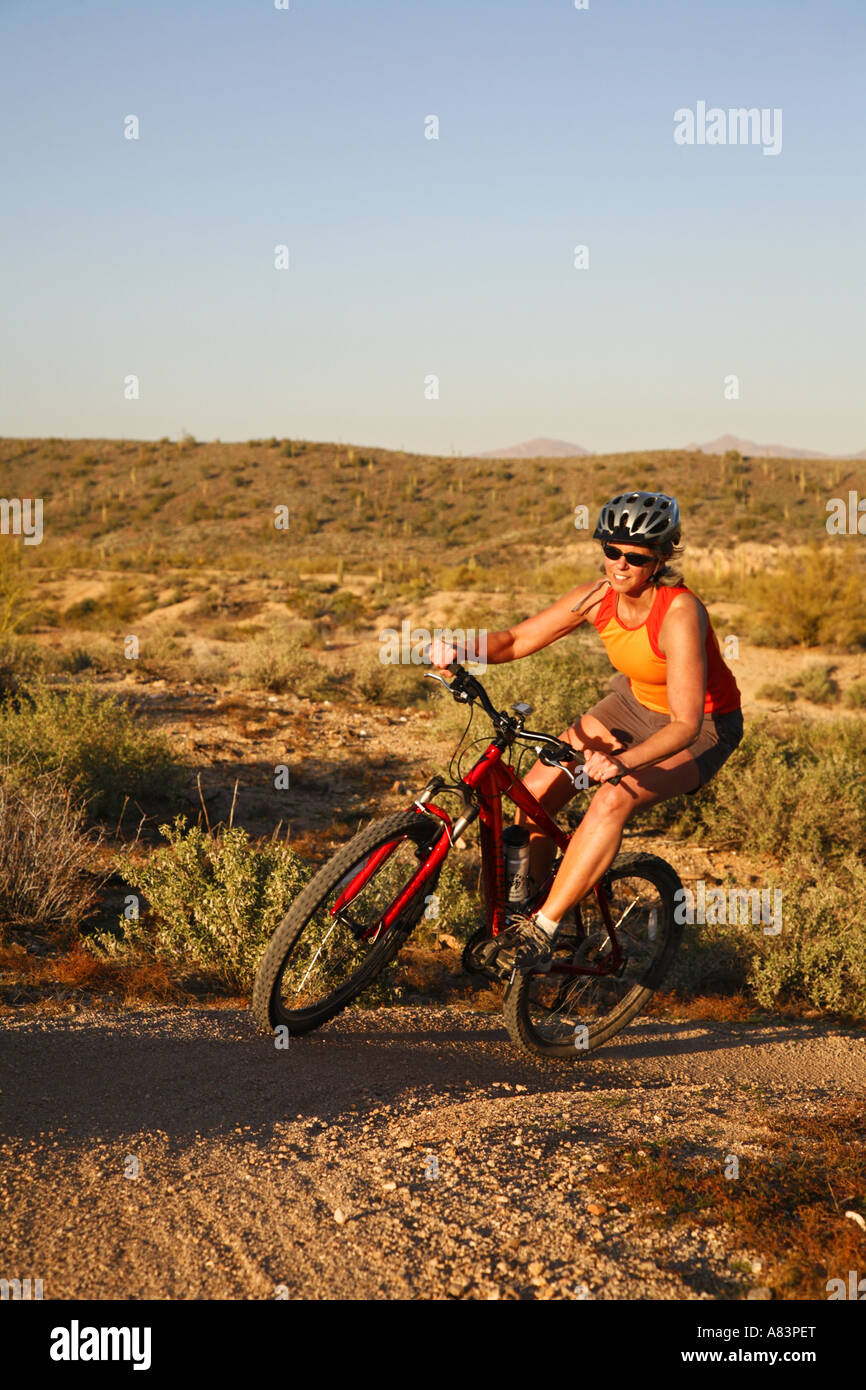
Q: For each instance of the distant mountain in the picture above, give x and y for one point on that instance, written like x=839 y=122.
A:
x=536 y=449
x=560 y=448
x=764 y=451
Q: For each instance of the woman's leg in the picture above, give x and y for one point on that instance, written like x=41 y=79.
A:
x=554 y=789
x=594 y=844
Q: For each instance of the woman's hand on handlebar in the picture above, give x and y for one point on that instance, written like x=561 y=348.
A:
x=442 y=655
x=600 y=767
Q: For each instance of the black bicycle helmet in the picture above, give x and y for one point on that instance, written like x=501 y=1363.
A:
x=646 y=518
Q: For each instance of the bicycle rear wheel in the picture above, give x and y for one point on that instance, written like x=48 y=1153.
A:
x=567 y=1016
x=322 y=956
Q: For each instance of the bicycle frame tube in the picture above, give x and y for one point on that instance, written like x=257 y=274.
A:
x=493 y=779
x=378 y=857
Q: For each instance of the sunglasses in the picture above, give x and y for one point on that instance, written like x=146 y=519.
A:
x=637 y=561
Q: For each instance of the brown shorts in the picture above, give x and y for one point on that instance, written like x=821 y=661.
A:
x=631 y=722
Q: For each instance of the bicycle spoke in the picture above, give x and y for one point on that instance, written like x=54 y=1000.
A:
x=557 y=1008
x=335 y=950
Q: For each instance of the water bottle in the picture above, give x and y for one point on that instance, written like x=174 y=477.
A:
x=515 y=841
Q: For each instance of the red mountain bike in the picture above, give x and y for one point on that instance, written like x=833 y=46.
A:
x=353 y=916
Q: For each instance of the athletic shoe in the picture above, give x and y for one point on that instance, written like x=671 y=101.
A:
x=525 y=946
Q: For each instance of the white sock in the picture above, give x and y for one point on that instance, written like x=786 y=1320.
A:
x=546 y=924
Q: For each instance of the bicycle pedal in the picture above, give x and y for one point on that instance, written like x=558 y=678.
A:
x=479 y=955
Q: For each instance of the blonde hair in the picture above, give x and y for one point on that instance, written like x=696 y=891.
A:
x=666 y=577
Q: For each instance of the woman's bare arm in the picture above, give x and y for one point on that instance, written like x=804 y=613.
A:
x=536 y=632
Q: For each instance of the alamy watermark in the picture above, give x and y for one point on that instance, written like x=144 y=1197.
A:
x=411 y=645
x=739 y=125
x=734 y=906
x=77 y=1343
x=855 y=1288
x=22 y=516
x=18 y=1289
x=847 y=518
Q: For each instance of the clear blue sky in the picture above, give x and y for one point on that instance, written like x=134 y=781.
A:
x=410 y=256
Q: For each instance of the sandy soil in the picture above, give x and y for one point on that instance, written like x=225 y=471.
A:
x=401 y=1153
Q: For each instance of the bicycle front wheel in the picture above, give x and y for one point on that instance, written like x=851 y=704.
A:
x=330 y=946
x=567 y=1016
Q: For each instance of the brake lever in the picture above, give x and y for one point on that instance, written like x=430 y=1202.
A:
x=455 y=694
x=574 y=777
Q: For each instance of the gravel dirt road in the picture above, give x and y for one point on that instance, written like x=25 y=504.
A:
x=400 y=1153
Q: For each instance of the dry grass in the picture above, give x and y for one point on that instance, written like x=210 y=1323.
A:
x=45 y=852
x=789 y=1203
x=77 y=976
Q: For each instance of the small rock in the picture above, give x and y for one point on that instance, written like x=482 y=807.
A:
x=855 y=1216
x=762 y=1292
x=602 y=1168
x=389 y=1187
x=339 y=1217
x=534 y=1268
x=596 y=1209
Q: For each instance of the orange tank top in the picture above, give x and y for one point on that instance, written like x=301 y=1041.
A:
x=635 y=652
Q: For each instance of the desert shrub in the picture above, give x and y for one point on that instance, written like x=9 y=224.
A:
x=814 y=598
x=276 y=660
x=326 y=600
x=462 y=577
x=777 y=692
x=44 y=852
x=99 y=654
x=119 y=605
x=714 y=958
x=20 y=660
x=391 y=684
x=213 y=901
x=346 y=609
x=98 y=744
x=15 y=585
x=78 y=659
x=793 y=787
x=819 y=958
x=816 y=683
x=855 y=695
x=309 y=635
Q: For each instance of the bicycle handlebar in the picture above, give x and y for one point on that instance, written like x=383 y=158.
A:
x=469 y=688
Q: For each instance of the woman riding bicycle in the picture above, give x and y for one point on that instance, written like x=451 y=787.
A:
x=673 y=713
